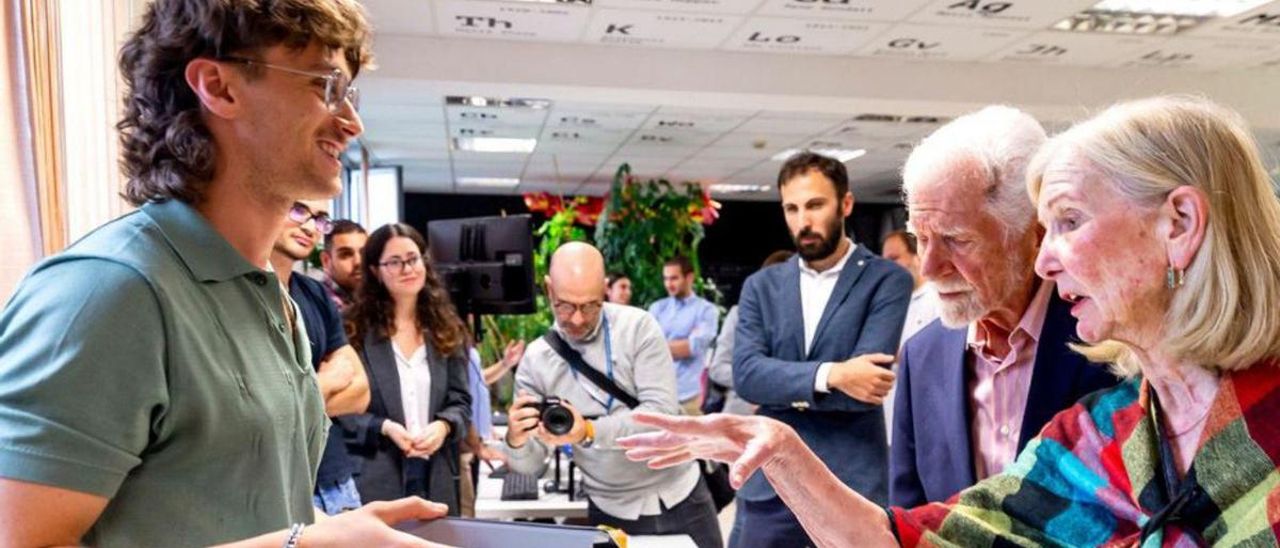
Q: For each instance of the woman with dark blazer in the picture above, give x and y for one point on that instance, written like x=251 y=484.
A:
x=413 y=348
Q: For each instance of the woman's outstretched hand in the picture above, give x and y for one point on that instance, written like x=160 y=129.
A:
x=745 y=442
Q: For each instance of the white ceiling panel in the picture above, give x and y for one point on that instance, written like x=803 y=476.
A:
x=869 y=133
x=1262 y=22
x=778 y=35
x=666 y=139
x=701 y=6
x=1019 y=14
x=580 y=141
x=399 y=16
x=1226 y=53
x=556 y=163
x=684 y=120
x=1069 y=48
x=718 y=165
x=939 y=42
x=657 y=29
x=510 y=21
x=734 y=147
x=495 y=116
x=698 y=92
x=863 y=10
x=581 y=118
x=798 y=123
x=1196 y=54
x=499 y=131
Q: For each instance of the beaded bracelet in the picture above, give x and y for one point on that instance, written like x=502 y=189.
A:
x=295 y=535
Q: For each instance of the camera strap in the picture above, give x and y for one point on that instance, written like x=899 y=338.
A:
x=592 y=374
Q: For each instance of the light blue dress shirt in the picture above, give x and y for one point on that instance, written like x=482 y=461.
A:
x=481 y=413
x=695 y=319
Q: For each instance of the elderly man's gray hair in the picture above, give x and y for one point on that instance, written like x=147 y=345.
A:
x=999 y=141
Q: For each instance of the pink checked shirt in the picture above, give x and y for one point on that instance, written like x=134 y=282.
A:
x=998 y=387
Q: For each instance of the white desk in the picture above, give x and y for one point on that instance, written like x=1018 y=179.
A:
x=660 y=541
x=489 y=503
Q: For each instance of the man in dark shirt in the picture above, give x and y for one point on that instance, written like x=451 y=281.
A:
x=338 y=371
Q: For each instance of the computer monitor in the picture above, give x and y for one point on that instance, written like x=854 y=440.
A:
x=486 y=263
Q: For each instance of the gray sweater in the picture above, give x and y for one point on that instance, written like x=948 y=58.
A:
x=642 y=367
x=721 y=369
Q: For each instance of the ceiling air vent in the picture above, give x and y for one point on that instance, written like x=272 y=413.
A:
x=877 y=118
x=934 y=120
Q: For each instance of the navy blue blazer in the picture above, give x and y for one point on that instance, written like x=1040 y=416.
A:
x=865 y=314
x=932 y=457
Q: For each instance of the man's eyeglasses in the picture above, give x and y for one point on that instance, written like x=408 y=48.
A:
x=337 y=87
x=300 y=214
x=397 y=263
x=565 y=310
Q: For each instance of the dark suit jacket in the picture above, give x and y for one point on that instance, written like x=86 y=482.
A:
x=932 y=457
x=382 y=471
x=770 y=367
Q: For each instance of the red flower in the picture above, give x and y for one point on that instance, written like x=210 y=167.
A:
x=589 y=210
x=537 y=202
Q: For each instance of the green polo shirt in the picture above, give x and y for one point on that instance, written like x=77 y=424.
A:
x=151 y=364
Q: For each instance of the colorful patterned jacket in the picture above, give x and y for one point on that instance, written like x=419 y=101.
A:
x=1095 y=477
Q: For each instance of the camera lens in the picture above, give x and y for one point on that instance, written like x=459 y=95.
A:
x=556 y=418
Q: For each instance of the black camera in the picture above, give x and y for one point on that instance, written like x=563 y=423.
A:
x=555 y=417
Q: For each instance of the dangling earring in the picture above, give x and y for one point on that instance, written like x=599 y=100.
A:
x=1175 y=277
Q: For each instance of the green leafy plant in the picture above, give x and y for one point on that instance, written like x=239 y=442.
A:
x=646 y=223
x=637 y=227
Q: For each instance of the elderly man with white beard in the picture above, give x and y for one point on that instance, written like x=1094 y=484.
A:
x=985 y=377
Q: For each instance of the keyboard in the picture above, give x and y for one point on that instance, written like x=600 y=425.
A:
x=519 y=487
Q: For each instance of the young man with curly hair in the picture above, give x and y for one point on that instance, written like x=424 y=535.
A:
x=155 y=380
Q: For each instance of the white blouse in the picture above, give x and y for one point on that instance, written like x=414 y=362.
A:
x=415 y=388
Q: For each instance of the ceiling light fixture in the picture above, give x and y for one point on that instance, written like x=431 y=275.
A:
x=494 y=144
x=1188 y=8
x=841 y=154
x=498 y=102
x=1152 y=17
x=504 y=182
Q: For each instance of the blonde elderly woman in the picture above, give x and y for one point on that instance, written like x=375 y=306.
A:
x=1162 y=229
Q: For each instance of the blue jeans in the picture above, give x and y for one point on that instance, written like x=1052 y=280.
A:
x=337 y=497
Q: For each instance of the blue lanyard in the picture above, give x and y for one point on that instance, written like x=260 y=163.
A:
x=608 y=364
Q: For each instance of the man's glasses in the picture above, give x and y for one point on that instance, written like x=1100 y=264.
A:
x=565 y=310
x=300 y=214
x=401 y=264
x=337 y=87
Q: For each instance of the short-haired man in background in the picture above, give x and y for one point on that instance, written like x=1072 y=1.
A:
x=340 y=259
x=899 y=246
x=689 y=323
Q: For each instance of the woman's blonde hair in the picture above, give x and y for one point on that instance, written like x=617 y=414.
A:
x=1227 y=315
